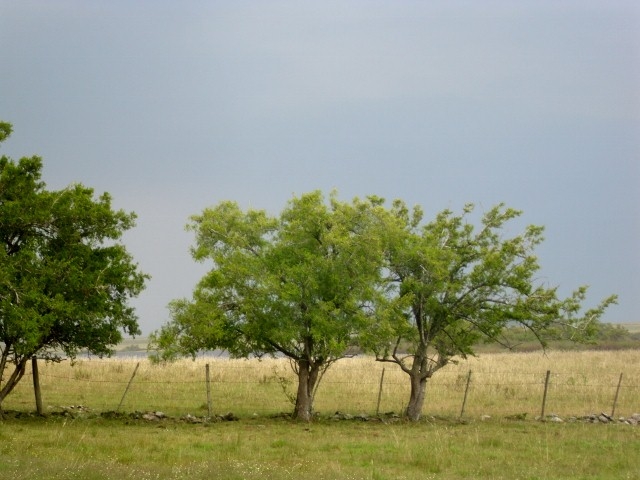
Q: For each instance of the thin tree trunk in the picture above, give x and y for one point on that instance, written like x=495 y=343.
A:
x=13 y=380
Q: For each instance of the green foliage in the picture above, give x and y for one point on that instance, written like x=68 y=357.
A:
x=455 y=285
x=5 y=130
x=607 y=336
x=462 y=286
x=293 y=285
x=322 y=278
x=608 y=332
x=64 y=279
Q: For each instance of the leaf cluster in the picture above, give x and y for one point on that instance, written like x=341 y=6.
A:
x=65 y=280
x=324 y=276
x=296 y=285
x=457 y=284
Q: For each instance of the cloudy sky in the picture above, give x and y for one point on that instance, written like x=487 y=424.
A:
x=175 y=106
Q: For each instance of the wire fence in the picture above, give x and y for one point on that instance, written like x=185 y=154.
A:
x=215 y=386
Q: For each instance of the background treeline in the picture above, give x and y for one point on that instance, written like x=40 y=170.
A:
x=608 y=337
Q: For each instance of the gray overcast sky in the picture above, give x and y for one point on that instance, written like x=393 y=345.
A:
x=174 y=106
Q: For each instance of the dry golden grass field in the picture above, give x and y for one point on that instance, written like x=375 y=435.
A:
x=581 y=382
x=495 y=440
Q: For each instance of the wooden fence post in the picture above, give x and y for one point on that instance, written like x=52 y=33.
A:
x=380 y=393
x=615 y=400
x=466 y=390
x=209 y=409
x=36 y=384
x=544 y=396
x=128 y=385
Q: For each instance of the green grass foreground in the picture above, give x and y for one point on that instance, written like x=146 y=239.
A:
x=99 y=448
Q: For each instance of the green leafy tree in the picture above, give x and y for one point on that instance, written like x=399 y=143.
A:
x=64 y=278
x=452 y=286
x=296 y=285
x=5 y=130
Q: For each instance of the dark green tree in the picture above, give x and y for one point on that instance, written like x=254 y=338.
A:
x=452 y=285
x=296 y=285
x=65 y=280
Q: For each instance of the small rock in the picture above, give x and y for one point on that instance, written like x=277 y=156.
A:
x=191 y=419
x=485 y=417
x=229 y=417
x=342 y=416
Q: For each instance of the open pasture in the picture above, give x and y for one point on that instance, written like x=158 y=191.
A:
x=90 y=446
x=504 y=384
x=95 y=448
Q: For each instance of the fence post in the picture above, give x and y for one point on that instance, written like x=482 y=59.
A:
x=209 y=409
x=380 y=393
x=615 y=400
x=544 y=396
x=128 y=385
x=36 y=384
x=466 y=390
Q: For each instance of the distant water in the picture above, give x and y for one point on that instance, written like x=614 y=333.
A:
x=142 y=354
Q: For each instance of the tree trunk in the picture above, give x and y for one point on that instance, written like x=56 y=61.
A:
x=416 y=399
x=13 y=380
x=307 y=378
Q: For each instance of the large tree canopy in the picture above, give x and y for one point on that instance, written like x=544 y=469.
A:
x=295 y=285
x=452 y=285
x=321 y=278
x=64 y=279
